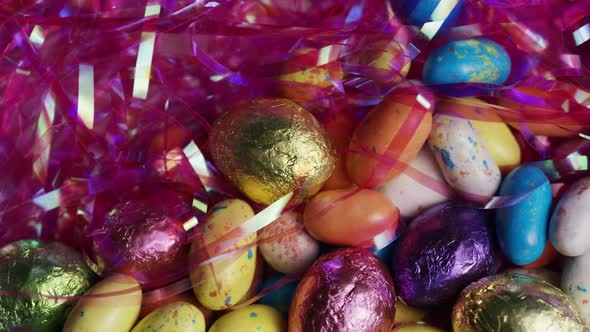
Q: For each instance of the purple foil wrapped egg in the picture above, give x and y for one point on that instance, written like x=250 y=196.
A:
x=445 y=249
x=143 y=237
x=345 y=290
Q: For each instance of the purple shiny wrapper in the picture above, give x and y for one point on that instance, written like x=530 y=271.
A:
x=445 y=249
x=345 y=290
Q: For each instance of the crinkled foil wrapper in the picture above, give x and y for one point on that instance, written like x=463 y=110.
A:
x=518 y=303
x=446 y=248
x=28 y=268
x=270 y=147
x=345 y=290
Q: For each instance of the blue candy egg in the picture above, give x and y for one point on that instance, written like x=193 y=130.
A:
x=477 y=60
x=279 y=298
x=522 y=228
x=421 y=12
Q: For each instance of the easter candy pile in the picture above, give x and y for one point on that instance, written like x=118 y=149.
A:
x=294 y=165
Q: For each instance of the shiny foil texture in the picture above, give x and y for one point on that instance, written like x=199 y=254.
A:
x=144 y=238
x=445 y=249
x=517 y=303
x=29 y=268
x=347 y=290
x=270 y=147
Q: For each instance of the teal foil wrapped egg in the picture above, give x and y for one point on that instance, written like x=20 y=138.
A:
x=477 y=60
x=522 y=227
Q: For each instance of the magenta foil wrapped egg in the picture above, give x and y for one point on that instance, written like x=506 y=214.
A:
x=444 y=249
x=347 y=290
x=143 y=237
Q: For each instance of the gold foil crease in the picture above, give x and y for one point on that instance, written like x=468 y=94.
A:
x=516 y=303
x=270 y=147
x=31 y=268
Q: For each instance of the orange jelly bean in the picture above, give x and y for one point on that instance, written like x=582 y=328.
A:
x=395 y=130
x=339 y=128
x=350 y=217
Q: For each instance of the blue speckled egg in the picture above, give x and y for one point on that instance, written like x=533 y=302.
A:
x=522 y=228
x=420 y=12
x=279 y=298
x=477 y=60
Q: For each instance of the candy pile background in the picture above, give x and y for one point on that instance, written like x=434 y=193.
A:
x=275 y=165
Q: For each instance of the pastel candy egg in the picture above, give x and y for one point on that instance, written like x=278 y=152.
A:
x=350 y=217
x=477 y=60
x=495 y=134
x=285 y=245
x=575 y=281
x=404 y=314
x=173 y=317
x=395 y=130
x=111 y=305
x=279 y=298
x=522 y=228
x=307 y=74
x=414 y=327
x=225 y=281
x=411 y=192
x=464 y=160
x=569 y=228
x=253 y=318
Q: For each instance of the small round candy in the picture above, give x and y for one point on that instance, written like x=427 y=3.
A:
x=29 y=268
x=515 y=302
x=347 y=290
x=350 y=217
x=270 y=147
x=477 y=60
x=285 y=245
x=446 y=248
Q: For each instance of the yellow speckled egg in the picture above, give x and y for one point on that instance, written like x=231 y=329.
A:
x=405 y=314
x=224 y=281
x=117 y=311
x=173 y=317
x=495 y=134
x=253 y=318
x=414 y=327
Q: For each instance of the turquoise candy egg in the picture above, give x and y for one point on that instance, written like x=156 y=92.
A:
x=522 y=228
x=477 y=60
x=279 y=298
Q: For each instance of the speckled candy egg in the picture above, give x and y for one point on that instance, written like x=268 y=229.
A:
x=522 y=228
x=575 y=281
x=286 y=246
x=350 y=217
x=111 y=305
x=173 y=317
x=464 y=160
x=518 y=303
x=347 y=290
x=445 y=248
x=30 y=267
x=411 y=192
x=477 y=60
x=395 y=130
x=270 y=147
x=253 y=318
x=569 y=228
x=224 y=281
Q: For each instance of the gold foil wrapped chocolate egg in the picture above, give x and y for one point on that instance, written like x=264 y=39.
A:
x=31 y=268
x=270 y=147
x=517 y=303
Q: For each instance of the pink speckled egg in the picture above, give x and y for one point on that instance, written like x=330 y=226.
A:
x=285 y=245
